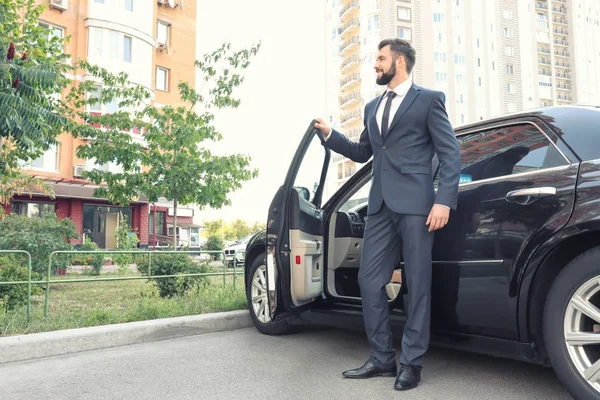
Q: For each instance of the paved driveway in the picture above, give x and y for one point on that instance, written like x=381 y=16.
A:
x=244 y=364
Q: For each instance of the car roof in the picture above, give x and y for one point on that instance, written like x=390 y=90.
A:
x=539 y=112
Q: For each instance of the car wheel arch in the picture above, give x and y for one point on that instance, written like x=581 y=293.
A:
x=543 y=276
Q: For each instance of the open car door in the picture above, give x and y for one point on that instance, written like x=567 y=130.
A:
x=295 y=228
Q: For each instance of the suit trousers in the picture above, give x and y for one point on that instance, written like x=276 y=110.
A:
x=386 y=233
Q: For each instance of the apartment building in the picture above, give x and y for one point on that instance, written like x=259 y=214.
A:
x=489 y=57
x=154 y=43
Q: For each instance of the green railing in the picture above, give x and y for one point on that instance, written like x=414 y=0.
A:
x=49 y=281
x=28 y=281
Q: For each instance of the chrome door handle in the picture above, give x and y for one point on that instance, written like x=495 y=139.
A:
x=529 y=195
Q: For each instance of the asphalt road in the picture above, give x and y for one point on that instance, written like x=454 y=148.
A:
x=244 y=364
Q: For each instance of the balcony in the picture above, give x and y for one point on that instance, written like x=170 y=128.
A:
x=349 y=81
x=544 y=61
x=560 y=1
x=354 y=133
x=541 y=6
x=352 y=116
x=348 y=45
x=563 y=86
x=349 y=99
x=562 y=21
x=562 y=53
x=349 y=11
x=563 y=75
x=560 y=10
x=543 y=50
x=562 y=64
x=349 y=28
x=561 y=42
x=561 y=31
x=350 y=62
x=564 y=97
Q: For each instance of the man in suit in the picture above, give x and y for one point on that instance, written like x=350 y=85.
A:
x=403 y=129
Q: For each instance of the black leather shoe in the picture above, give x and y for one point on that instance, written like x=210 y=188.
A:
x=370 y=370
x=408 y=378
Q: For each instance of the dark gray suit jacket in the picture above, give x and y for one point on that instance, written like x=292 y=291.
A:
x=402 y=162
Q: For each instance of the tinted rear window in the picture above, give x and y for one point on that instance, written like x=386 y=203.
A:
x=580 y=128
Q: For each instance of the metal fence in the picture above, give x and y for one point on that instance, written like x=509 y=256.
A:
x=47 y=282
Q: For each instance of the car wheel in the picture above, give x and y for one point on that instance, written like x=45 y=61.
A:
x=572 y=325
x=256 y=292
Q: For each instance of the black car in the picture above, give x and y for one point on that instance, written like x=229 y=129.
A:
x=516 y=272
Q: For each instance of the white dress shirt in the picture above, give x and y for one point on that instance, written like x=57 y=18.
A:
x=400 y=91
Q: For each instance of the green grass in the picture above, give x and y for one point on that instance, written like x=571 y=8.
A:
x=78 y=305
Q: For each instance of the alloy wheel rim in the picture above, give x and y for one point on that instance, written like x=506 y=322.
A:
x=582 y=331
x=258 y=294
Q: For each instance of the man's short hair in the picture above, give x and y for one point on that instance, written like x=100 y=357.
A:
x=401 y=47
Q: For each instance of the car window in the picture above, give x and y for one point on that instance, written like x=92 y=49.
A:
x=309 y=174
x=505 y=151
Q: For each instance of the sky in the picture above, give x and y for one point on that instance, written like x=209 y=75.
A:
x=284 y=89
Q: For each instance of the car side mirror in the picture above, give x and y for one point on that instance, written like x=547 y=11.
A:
x=303 y=192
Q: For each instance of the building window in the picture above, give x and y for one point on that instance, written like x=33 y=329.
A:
x=403 y=14
x=441 y=76
x=508 y=51
x=507 y=14
x=510 y=69
x=162 y=32
x=508 y=32
x=161 y=218
x=54 y=31
x=493 y=66
x=459 y=59
x=480 y=81
x=477 y=43
x=510 y=88
x=128 y=5
x=479 y=62
x=98 y=45
x=404 y=33
x=48 y=161
x=113 y=41
x=99 y=1
x=373 y=23
x=438 y=17
x=32 y=209
x=458 y=39
x=162 y=79
x=127 y=44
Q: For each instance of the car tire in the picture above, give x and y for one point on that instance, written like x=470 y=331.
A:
x=262 y=321
x=562 y=314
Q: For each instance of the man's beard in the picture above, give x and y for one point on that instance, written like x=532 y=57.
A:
x=387 y=77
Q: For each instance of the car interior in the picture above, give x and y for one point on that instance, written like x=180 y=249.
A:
x=346 y=232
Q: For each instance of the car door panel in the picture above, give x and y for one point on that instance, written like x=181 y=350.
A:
x=479 y=255
x=294 y=244
x=306 y=256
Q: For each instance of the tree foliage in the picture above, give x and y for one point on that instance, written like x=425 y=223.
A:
x=169 y=158
x=31 y=75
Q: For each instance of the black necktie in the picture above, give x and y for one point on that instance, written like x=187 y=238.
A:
x=385 y=122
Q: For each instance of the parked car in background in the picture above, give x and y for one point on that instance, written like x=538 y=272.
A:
x=239 y=247
x=516 y=272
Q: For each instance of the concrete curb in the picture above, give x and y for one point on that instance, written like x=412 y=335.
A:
x=69 y=341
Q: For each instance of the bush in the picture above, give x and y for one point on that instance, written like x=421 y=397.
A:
x=40 y=237
x=174 y=264
x=96 y=261
x=13 y=268
x=214 y=243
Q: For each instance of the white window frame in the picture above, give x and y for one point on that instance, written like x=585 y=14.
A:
x=125 y=37
x=166 y=85
x=407 y=16
x=167 y=27
x=405 y=31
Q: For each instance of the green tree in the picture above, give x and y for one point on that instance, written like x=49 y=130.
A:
x=172 y=161
x=239 y=229
x=31 y=74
